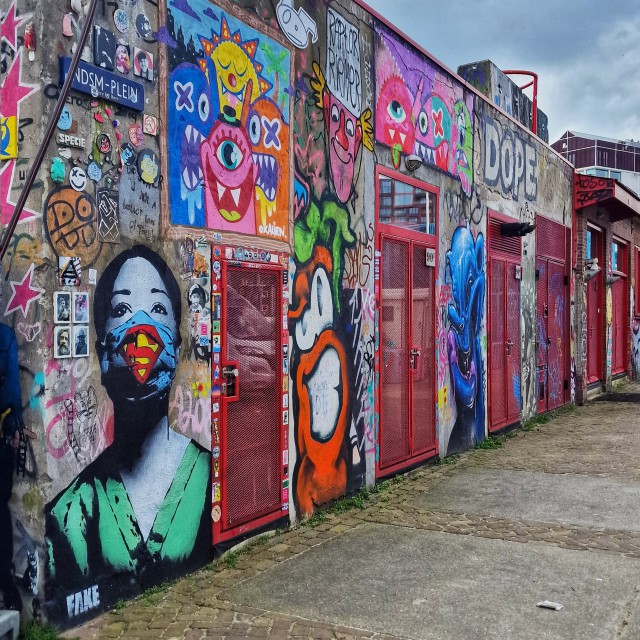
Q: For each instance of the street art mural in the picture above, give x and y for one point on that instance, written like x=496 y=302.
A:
x=466 y=268
x=119 y=519
x=228 y=106
x=420 y=111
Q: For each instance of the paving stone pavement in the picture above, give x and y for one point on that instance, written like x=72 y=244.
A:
x=598 y=440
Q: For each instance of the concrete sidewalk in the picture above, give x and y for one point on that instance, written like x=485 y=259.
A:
x=456 y=550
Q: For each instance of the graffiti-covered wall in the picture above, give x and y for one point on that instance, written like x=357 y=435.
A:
x=204 y=237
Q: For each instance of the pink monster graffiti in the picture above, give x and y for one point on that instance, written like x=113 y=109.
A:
x=394 y=121
x=229 y=177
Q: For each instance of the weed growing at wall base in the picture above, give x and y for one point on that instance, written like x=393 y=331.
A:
x=32 y=630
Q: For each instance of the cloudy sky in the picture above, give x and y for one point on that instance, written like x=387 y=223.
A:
x=585 y=52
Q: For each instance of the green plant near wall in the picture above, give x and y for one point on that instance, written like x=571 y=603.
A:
x=33 y=630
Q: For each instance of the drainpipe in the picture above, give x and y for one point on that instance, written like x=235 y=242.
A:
x=53 y=121
x=534 y=82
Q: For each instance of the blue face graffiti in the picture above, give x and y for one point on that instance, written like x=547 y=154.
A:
x=466 y=263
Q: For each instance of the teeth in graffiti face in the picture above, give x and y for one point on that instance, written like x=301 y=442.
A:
x=267 y=174
x=190 y=153
x=235 y=194
x=403 y=137
x=392 y=133
x=221 y=191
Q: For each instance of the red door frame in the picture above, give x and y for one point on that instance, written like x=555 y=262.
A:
x=511 y=261
x=596 y=358
x=411 y=237
x=245 y=259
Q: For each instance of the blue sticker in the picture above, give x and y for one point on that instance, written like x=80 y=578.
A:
x=65 y=120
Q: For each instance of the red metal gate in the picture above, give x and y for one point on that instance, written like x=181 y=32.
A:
x=407 y=338
x=620 y=299
x=595 y=309
x=504 y=326
x=558 y=345
x=542 y=336
x=247 y=379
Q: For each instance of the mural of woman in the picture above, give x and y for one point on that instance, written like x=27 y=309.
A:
x=139 y=507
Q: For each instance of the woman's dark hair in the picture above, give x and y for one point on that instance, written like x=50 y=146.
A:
x=104 y=288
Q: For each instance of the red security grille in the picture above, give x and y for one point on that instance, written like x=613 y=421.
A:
x=394 y=335
x=507 y=245
x=252 y=464
x=498 y=339
x=424 y=418
x=620 y=299
x=513 y=344
x=551 y=240
x=558 y=345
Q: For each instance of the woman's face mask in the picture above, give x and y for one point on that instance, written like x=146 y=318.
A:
x=138 y=355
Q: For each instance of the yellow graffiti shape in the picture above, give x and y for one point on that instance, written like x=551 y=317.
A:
x=8 y=138
x=236 y=68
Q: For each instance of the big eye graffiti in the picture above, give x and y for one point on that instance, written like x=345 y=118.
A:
x=269 y=136
x=229 y=177
x=190 y=119
x=466 y=263
x=394 y=121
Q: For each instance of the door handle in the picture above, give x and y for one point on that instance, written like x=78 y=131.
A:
x=508 y=345
x=413 y=356
x=230 y=386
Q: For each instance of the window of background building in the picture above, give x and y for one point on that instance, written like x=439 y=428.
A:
x=404 y=205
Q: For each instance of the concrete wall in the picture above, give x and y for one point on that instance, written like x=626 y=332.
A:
x=120 y=227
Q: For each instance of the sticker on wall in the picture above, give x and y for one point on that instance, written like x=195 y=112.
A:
x=285 y=384
x=216 y=306
x=80 y=307
x=67 y=25
x=57 y=170
x=30 y=41
x=94 y=172
x=103 y=142
x=77 y=178
x=108 y=215
x=143 y=64
x=128 y=154
x=136 y=135
x=65 y=120
x=121 y=20
x=215 y=452
x=215 y=492
x=285 y=417
x=215 y=407
x=81 y=7
x=285 y=457
x=216 y=513
x=61 y=307
x=143 y=27
x=148 y=166
x=69 y=271
x=123 y=58
x=216 y=344
x=104 y=48
x=296 y=25
x=93 y=276
x=8 y=138
x=71 y=141
x=150 y=124
x=285 y=401
x=62 y=342
x=81 y=341
x=215 y=327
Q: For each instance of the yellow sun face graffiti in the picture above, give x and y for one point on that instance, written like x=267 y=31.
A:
x=237 y=71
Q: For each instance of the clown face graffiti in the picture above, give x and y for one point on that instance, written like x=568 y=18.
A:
x=345 y=136
x=394 y=122
x=462 y=135
x=229 y=178
x=138 y=344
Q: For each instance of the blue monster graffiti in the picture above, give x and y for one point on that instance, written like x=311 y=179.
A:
x=465 y=260
x=193 y=109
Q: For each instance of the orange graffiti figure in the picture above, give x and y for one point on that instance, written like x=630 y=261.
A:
x=322 y=387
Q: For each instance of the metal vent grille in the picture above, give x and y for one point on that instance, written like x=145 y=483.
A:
x=550 y=239
x=542 y=301
x=253 y=441
x=513 y=339
x=557 y=323
x=424 y=418
x=394 y=396
x=506 y=245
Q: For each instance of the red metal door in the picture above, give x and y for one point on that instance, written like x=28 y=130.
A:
x=407 y=334
x=541 y=334
x=595 y=313
x=498 y=339
x=251 y=367
x=557 y=343
x=512 y=290
x=620 y=298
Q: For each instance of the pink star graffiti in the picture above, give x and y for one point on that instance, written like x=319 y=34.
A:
x=23 y=294
x=10 y=24
x=7 y=206
x=13 y=92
